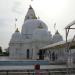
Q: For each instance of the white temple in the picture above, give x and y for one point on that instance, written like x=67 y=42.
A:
x=35 y=45
x=33 y=36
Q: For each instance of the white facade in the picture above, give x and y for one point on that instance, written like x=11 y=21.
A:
x=34 y=35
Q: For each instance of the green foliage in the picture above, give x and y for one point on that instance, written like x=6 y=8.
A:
x=5 y=53
x=0 y=50
x=72 y=47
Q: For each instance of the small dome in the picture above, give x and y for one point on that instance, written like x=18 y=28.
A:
x=57 y=37
x=41 y=35
x=15 y=36
x=30 y=25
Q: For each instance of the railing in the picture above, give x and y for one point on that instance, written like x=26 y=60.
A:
x=23 y=63
x=47 y=72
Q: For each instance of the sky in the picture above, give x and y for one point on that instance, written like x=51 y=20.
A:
x=61 y=12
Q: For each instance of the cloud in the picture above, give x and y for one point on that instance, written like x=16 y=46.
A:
x=16 y=7
x=4 y=21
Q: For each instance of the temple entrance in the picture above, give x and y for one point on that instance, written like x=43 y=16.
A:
x=41 y=55
x=53 y=56
x=28 y=53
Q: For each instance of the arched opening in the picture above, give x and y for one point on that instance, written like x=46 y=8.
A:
x=28 y=53
x=41 y=54
x=53 y=56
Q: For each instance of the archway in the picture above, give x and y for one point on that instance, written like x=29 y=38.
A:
x=28 y=54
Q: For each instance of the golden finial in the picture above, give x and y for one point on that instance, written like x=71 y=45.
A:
x=30 y=7
x=57 y=32
x=17 y=30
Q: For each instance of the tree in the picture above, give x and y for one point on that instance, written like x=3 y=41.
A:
x=0 y=49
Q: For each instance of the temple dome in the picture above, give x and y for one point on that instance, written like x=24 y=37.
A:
x=41 y=35
x=57 y=37
x=15 y=37
x=30 y=25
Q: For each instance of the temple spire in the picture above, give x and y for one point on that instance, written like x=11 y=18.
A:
x=30 y=14
x=30 y=7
